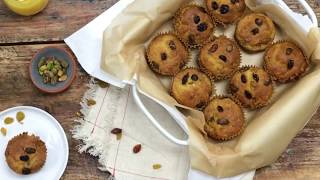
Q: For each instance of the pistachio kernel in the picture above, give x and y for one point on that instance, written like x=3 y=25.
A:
x=8 y=120
x=156 y=166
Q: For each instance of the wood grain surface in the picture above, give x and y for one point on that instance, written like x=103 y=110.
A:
x=21 y=37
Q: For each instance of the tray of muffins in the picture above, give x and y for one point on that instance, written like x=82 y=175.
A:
x=232 y=73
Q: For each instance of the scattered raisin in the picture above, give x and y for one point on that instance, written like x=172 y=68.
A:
x=20 y=116
x=223 y=121
x=24 y=158
x=196 y=19
x=258 y=21
x=137 y=148
x=3 y=131
x=181 y=65
x=220 y=108
x=194 y=77
x=91 y=102
x=289 y=51
x=255 y=77
x=233 y=88
x=229 y=48
x=116 y=131
x=211 y=119
x=156 y=166
x=214 y=5
x=8 y=120
x=202 y=27
x=155 y=65
x=30 y=150
x=223 y=58
x=200 y=105
x=290 y=64
x=247 y=94
x=224 y=9
x=213 y=48
x=26 y=171
x=163 y=56
x=255 y=31
x=268 y=82
x=243 y=78
x=172 y=45
x=185 y=79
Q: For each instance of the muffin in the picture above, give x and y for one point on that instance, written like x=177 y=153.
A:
x=166 y=54
x=285 y=61
x=219 y=58
x=192 y=88
x=193 y=25
x=254 y=32
x=225 y=11
x=26 y=154
x=224 y=118
x=252 y=86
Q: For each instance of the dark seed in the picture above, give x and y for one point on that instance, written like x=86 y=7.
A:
x=194 y=77
x=200 y=105
x=136 y=148
x=172 y=45
x=213 y=48
x=116 y=131
x=247 y=94
x=223 y=58
x=290 y=64
x=185 y=79
x=30 y=150
x=267 y=83
x=255 y=77
x=220 y=108
x=191 y=40
x=214 y=5
x=258 y=22
x=163 y=56
x=24 y=158
x=255 y=31
x=196 y=19
x=26 y=171
x=234 y=1
x=224 y=9
x=233 y=88
x=229 y=48
x=223 y=121
x=289 y=51
x=202 y=27
x=243 y=78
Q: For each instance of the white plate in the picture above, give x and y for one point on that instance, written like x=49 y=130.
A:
x=45 y=126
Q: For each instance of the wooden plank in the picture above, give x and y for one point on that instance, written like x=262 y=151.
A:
x=59 y=20
x=17 y=89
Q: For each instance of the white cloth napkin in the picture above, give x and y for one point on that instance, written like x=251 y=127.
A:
x=115 y=108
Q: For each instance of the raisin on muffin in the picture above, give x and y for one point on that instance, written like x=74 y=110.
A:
x=220 y=58
x=193 y=25
x=166 y=54
x=252 y=86
x=224 y=118
x=26 y=154
x=255 y=32
x=192 y=88
x=226 y=11
x=285 y=61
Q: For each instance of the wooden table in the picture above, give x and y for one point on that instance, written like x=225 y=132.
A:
x=22 y=37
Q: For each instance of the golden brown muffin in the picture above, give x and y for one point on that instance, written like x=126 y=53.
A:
x=254 y=32
x=224 y=118
x=26 y=154
x=192 y=88
x=252 y=86
x=193 y=25
x=166 y=54
x=226 y=11
x=220 y=58
x=285 y=61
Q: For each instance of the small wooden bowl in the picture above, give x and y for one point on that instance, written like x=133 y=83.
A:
x=36 y=78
